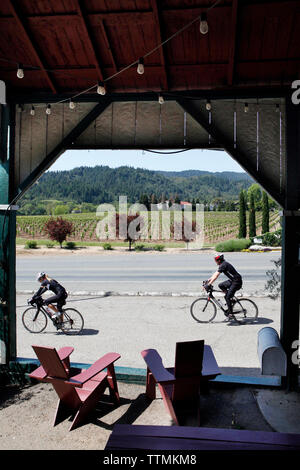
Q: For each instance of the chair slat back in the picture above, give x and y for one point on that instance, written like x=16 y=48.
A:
x=188 y=358
x=50 y=361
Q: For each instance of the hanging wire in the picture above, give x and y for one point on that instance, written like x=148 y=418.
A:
x=136 y=62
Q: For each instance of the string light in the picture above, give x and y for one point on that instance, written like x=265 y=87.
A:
x=140 y=67
x=20 y=71
x=101 y=88
x=203 y=24
x=204 y=28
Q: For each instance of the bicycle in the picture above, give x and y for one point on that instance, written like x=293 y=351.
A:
x=35 y=319
x=204 y=309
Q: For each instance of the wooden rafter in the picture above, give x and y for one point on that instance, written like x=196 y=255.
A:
x=87 y=34
x=63 y=145
x=157 y=21
x=238 y=155
x=232 y=46
x=30 y=43
x=110 y=52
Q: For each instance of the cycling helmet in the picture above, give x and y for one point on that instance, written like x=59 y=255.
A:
x=40 y=275
x=219 y=258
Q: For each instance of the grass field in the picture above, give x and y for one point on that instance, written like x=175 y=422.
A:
x=218 y=226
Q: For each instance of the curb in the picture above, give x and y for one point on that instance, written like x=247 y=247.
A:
x=141 y=294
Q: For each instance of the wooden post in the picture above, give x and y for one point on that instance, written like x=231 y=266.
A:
x=290 y=279
x=7 y=242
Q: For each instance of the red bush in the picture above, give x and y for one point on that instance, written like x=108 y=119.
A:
x=58 y=229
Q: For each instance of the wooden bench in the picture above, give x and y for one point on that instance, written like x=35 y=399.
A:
x=134 y=437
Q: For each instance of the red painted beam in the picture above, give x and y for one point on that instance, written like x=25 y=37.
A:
x=30 y=43
x=232 y=46
x=88 y=37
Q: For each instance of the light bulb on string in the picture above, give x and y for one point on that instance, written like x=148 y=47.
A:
x=101 y=88
x=48 y=109
x=208 y=105
x=161 y=99
x=20 y=71
x=203 y=24
x=72 y=105
x=246 y=108
x=140 y=67
x=32 y=111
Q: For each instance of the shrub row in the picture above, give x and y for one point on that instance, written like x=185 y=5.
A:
x=238 y=244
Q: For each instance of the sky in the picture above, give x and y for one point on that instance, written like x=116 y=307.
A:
x=207 y=160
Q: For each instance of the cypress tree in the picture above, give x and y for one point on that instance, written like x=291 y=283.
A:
x=242 y=216
x=252 y=222
x=265 y=214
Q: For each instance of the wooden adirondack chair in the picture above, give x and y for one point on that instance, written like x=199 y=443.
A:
x=78 y=392
x=195 y=365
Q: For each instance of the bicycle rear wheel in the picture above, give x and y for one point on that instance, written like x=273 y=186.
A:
x=203 y=310
x=72 y=322
x=245 y=311
x=34 y=321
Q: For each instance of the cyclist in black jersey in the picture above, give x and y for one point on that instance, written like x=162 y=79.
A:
x=229 y=287
x=51 y=284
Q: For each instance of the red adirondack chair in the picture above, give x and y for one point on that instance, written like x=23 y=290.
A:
x=195 y=365
x=78 y=392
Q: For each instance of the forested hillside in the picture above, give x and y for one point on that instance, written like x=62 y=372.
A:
x=104 y=184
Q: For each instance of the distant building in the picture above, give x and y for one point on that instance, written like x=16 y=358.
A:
x=163 y=206
x=185 y=203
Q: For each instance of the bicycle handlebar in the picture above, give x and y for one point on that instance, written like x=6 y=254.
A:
x=38 y=301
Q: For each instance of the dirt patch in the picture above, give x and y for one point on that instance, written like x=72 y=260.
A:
x=27 y=414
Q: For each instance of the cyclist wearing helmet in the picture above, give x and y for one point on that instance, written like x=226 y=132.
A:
x=51 y=284
x=229 y=287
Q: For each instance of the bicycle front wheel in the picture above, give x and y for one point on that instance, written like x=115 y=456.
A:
x=72 y=322
x=203 y=310
x=245 y=311
x=34 y=321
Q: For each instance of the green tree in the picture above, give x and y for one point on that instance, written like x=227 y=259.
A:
x=255 y=190
x=265 y=226
x=177 y=199
x=252 y=221
x=242 y=216
x=144 y=199
x=61 y=209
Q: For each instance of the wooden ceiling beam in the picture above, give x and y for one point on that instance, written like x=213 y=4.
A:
x=232 y=45
x=107 y=42
x=157 y=20
x=30 y=43
x=88 y=37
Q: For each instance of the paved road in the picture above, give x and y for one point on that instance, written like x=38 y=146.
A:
x=141 y=272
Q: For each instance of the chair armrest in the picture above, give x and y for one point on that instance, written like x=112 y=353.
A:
x=210 y=368
x=38 y=373
x=156 y=367
x=102 y=363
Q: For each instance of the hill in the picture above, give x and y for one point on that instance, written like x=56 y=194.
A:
x=102 y=184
